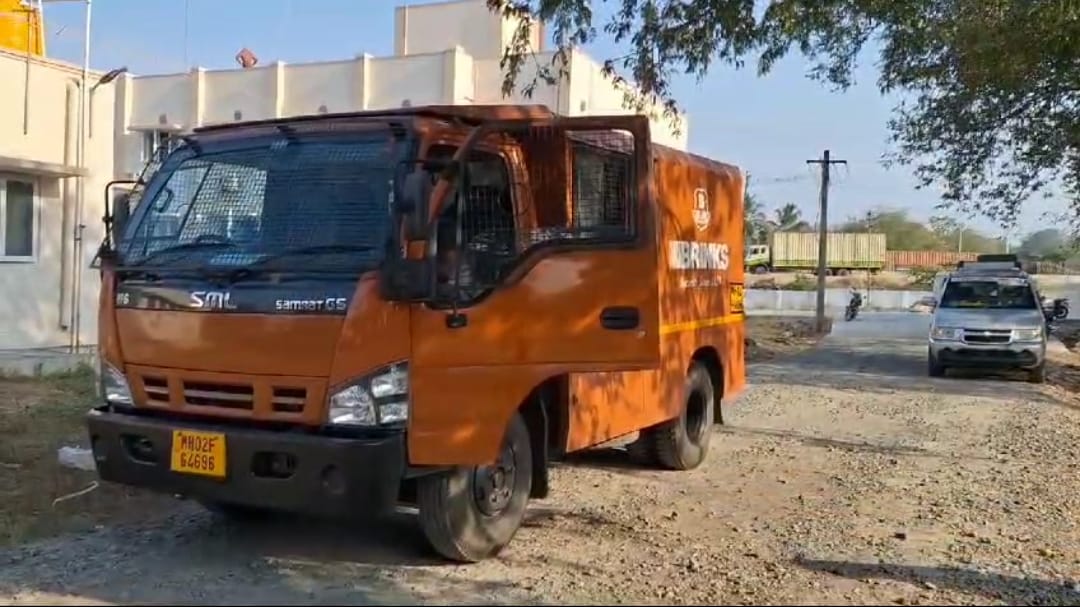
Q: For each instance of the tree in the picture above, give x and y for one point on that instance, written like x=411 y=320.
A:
x=789 y=218
x=755 y=223
x=993 y=86
x=1049 y=243
x=905 y=234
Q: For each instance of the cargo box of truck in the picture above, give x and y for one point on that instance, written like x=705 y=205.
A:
x=793 y=251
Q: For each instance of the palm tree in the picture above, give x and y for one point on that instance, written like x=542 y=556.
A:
x=755 y=222
x=789 y=219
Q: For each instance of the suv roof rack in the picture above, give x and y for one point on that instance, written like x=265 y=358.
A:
x=995 y=264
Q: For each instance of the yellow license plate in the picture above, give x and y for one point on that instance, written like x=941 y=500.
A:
x=200 y=453
x=737 y=298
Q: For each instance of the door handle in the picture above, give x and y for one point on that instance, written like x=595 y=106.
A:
x=620 y=318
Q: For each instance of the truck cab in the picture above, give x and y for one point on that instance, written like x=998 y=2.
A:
x=757 y=258
x=988 y=315
x=335 y=314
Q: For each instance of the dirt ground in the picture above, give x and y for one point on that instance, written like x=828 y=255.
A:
x=843 y=476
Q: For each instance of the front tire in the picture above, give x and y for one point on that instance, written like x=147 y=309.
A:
x=933 y=367
x=683 y=443
x=1038 y=374
x=471 y=513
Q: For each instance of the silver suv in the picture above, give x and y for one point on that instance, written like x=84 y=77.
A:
x=988 y=316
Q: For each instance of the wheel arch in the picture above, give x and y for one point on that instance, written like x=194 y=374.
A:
x=709 y=356
x=547 y=415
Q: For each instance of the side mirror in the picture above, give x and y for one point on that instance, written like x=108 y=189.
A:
x=412 y=204
x=407 y=280
x=121 y=213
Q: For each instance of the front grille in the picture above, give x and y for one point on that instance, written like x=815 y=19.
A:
x=258 y=397
x=987 y=336
x=157 y=390
x=228 y=396
x=288 y=400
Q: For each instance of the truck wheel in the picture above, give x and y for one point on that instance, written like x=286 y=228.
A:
x=683 y=443
x=1038 y=374
x=761 y=270
x=470 y=513
x=933 y=367
x=643 y=450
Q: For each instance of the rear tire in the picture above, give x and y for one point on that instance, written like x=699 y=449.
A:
x=1038 y=374
x=683 y=443
x=471 y=513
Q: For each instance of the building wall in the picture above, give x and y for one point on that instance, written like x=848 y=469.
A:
x=446 y=53
x=34 y=311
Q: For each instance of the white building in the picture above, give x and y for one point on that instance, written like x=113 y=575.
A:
x=46 y=284
x=446 y=53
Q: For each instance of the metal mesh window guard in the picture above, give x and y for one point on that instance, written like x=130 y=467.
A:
x=266 y=203
x=580 y=186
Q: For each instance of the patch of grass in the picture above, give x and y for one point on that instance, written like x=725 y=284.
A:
x=770 y=336
x=37 y=417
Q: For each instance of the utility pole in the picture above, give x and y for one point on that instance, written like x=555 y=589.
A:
x=826 y=162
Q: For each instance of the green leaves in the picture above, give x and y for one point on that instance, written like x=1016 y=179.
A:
x=991 y=87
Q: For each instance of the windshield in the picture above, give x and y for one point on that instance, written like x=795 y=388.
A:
x=1006 y=294
x=307 y=204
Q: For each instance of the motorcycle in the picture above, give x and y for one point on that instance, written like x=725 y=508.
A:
x=853 y=306
x=1060 y=308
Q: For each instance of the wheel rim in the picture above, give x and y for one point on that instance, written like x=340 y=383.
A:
x=493 y=485
x=695 y=416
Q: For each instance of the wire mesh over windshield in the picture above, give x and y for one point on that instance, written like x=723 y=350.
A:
x=307 y=203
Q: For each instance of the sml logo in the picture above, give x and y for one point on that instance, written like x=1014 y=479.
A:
x=702 y=213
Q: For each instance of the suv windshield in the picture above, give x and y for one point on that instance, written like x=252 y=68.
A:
x=310 y=204
x=1007 y=294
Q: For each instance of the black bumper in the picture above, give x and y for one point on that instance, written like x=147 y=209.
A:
x=982 y=357
x=301 y=473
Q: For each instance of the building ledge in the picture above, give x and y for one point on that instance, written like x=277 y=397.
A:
x=11 y=164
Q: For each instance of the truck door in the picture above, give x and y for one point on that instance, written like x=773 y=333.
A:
x=554 y=229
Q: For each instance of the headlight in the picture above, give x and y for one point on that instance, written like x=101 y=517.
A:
x=1032 y=334
x=944 y=333
x=114 y=386
x=378 y=399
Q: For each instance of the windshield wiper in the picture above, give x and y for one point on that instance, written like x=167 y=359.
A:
x=187 y=246
x=315 y=250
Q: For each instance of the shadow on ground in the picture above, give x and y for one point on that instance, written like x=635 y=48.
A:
x=1011 y=590
x=191 y=557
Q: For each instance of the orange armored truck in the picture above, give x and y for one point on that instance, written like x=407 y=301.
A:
x=336 y=315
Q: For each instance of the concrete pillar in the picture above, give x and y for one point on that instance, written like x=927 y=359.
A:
x=362 y=90
x=197 y=112
x=279 y=89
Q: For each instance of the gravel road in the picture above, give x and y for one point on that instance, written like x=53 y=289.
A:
x=844 y=476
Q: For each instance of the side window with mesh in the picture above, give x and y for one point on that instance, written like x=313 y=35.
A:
x=487 y=225
x=601 y=183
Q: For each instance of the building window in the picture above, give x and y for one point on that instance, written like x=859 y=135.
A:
x=18 y=219
x=157 y=144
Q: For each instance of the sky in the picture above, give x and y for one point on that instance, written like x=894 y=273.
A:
x=769 y=126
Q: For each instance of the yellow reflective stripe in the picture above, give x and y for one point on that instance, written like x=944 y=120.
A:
x=690 y=325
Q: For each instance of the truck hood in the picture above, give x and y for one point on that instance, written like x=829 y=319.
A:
x=988 y=318
x=256 y=329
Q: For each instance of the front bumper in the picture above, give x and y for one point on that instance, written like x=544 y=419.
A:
x=327 y=476
x=1013 y=355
